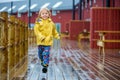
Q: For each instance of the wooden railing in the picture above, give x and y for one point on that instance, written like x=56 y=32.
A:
x=13 y=45
x=31 y=37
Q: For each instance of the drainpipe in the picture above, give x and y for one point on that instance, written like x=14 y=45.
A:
x=80 y=10
x=73 y=13
x=107 y=3
x=11 y=8
x=29 y=14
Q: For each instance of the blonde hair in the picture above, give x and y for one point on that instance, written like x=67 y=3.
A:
x=39 y=15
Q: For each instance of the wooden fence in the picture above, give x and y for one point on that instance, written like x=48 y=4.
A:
x=13 y=47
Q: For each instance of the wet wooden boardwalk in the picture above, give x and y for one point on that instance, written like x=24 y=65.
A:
x=70 y=61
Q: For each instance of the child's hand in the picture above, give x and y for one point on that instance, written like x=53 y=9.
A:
x=59 y=36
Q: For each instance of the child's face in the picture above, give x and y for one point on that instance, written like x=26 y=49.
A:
x=44 y=14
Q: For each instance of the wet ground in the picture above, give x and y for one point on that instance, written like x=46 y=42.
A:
x=70 y=61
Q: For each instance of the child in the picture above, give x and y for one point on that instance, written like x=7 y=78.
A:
x=45 y=31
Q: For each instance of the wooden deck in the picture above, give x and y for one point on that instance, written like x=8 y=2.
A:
x=71 y=61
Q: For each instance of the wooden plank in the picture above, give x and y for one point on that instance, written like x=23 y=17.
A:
x=35 y=73
x=66 y=71
x=59 y=69
x=20 y=72
x=107 y=31
x=108 y=66
x=107 y=72
x=91 y=67
x=82 y=72
x=111 y=40
x=51 y=73
x=62 y=64
x=58 y=72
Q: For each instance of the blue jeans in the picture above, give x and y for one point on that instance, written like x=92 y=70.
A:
x=43 y=54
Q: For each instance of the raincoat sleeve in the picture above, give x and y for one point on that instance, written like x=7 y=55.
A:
x=55 y=33
x=37 y=32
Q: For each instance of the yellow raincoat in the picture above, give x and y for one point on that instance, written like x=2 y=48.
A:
x=45 y=31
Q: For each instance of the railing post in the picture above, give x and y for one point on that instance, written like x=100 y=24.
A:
x=11 y=46
x=3 y=45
